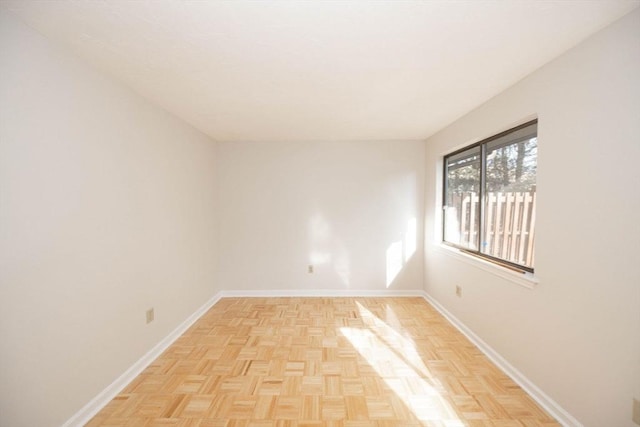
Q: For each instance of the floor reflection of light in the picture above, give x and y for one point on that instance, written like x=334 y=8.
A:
x=392 y=336
x=396 y=360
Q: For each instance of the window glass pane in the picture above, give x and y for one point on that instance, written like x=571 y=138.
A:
x=462 y=208
x=510 y=196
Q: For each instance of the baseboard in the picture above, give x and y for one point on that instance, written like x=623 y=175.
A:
x=104 y=397
x=324 y=293
x=85 y=414
x=555 y=410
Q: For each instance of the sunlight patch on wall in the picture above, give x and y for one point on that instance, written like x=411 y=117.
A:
x=394 y=261
x=410 y=239
x=401 y=251
x=327 y=249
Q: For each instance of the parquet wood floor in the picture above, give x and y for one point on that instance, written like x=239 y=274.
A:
x=333 y=362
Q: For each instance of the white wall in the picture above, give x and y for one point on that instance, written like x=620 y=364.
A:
x=576 y=335
x=107 y=208
x=348 y=208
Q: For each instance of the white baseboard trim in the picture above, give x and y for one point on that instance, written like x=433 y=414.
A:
x=85 y=414
x=324 y=293
x=553 y=408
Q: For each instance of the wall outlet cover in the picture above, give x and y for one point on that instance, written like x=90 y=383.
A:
x=150 y=315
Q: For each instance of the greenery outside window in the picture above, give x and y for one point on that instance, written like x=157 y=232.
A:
x=490 y=197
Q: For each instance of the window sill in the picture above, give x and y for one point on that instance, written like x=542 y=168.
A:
x=528 y=280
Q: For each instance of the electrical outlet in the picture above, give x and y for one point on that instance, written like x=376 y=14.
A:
x=310 y=269
x=636 y=411
x=150 y=315
x=459 y=291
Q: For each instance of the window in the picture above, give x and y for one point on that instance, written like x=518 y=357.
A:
x=490 y=197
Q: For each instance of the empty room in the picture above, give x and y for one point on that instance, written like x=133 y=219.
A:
x=320 y=213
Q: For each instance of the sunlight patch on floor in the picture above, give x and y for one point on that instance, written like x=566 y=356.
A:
x=396 y=360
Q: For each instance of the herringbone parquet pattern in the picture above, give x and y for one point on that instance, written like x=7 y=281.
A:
x=311 y=362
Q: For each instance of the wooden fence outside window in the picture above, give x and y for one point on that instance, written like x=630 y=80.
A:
x=509 y=231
